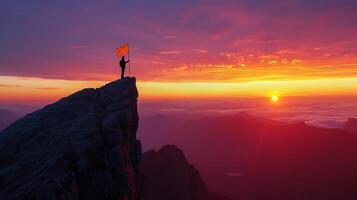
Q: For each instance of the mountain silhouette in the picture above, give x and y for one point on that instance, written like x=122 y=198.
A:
x=247 y=157
x=168 y=175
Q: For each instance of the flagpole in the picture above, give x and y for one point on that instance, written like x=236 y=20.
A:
x=129 y=58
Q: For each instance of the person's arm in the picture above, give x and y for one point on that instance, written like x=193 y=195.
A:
x=127 y=61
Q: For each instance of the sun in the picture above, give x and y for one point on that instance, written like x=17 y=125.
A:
x=275 y=98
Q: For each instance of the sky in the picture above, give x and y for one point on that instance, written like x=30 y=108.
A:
x=179 y=49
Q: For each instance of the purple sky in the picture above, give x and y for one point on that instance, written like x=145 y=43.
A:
x=76 y=39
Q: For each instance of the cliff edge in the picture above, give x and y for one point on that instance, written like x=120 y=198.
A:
x=82 y=147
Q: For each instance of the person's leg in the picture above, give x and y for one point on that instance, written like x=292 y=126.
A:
x=122 y=72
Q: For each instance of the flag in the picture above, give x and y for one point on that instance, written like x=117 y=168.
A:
x=123 y=50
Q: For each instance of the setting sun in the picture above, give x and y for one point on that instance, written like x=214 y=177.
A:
x=274 y=98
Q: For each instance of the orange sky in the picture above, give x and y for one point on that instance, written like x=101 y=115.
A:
x=27 y=90
x=179 y=49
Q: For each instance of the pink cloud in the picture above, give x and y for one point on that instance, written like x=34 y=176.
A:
x=289 y=31
x=173 y=52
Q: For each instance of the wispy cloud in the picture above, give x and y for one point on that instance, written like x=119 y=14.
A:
x=169 y=36
x=47 y=88
x=174 y=52
x=79 y=46
x=238 y=29
x=200 y=50
x=9 y=86
x=157 y=62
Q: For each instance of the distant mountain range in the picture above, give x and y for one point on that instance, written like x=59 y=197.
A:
x=246 y=157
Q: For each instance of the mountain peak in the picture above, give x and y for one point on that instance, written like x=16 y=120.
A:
x=68 y=147
x=168 y=175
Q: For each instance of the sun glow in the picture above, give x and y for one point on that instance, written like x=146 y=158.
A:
x=275 y=98
x=27 y=89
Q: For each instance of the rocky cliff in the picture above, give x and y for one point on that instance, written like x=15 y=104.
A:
x=81 y=147
x=168 y=175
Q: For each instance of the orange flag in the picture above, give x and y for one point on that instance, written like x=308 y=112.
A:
x=123 y=50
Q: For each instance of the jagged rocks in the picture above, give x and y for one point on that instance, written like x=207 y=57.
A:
x=81 y=147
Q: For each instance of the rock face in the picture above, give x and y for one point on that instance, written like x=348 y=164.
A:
x=167 y=175
x=81 y=147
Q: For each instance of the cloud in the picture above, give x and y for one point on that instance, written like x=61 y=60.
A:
x=156 y=62
x=169 y=36
x=327 y=112
x=200 y=50
x=48 y=88
x=79 y=46
x=295 y=61
x=174 y=52
x=9 y=86
x=288 y=30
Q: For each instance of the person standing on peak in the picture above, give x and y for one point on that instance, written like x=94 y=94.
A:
x=122 y=64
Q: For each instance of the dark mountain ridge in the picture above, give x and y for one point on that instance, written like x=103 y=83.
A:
x=168 y=175
x=246 y=157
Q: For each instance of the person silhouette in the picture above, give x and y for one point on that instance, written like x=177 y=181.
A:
x=122 y=64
